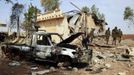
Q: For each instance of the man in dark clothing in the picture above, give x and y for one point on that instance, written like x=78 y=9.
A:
x=107 y=35
x=114 y=35
x=120 y=34
x=85 y=41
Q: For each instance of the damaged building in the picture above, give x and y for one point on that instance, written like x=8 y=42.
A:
x=66 y=23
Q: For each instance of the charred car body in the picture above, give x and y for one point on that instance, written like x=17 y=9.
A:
x=44 y=47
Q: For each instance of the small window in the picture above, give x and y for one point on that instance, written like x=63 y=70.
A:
x=42 y=40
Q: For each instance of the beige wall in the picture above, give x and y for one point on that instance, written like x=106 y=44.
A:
x=49 y=25
x=59 y=25
x=91 y=24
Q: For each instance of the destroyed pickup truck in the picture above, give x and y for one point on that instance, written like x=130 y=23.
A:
x=47 y=47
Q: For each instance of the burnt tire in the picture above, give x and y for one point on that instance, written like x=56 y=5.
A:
x=66 y=60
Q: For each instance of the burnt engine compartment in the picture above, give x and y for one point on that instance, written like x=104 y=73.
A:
x=66 y=45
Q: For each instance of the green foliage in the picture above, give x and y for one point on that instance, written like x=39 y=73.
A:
x=50 y=5
x=17 y=10
x=101 y=16
x=98 y=17
x=129 y=14
x=30 y=18
x=94 y=9
x=85 y=9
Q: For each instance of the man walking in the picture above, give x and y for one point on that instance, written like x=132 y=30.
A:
x=120 y=34
x=114 y=35
x=107 y=35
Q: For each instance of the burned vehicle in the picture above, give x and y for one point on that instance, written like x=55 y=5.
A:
x=47 y=47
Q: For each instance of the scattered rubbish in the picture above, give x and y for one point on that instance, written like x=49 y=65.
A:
x=40 y=72
x=88 y=69
x=98 y=70
x=34 y=68
x=14 y=63
x=120 y=58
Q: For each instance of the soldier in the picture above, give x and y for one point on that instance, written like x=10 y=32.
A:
x=107 y=35
x=120 y=34
x=114 y=35
x=85 y=41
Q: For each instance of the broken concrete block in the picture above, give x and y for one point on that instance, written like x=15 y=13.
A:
x=52 y=69
x=121 y=73
x=69 y=67
x=101 y=56
x=130 y=51
x=14 y=63
x=104 y=69
x=120 y=58
x=75 y=69
x=107 y=65
x=34 y=68
x=40 y=72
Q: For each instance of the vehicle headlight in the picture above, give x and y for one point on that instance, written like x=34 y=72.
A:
x=56 y=50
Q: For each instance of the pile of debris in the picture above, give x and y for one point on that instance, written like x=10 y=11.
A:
x=101 y=61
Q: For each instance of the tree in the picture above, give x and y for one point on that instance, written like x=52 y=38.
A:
x=30 y=19
x=17 y=10
x=85 y=9
x=101 y=16
x=129 y=14
x=94 y=9
x=50 y=5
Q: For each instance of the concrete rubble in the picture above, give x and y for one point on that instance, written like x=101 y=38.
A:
x=100 y=60
x=40 y=72
x=122 y=73
x=103 y=61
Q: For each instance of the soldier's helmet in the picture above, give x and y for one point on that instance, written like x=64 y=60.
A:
x=115 y=28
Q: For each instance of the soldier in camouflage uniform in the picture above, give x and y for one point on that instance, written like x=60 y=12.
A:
x=120 y=34
x=107 y=35
x=114 y=35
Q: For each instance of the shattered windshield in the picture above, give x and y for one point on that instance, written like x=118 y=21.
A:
x=48 y=39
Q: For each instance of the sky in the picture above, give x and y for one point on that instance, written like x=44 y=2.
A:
x=113 y=10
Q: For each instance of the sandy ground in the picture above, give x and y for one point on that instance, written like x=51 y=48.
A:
x=116 y=67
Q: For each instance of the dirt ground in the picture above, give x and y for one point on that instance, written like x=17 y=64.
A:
x=115 y=68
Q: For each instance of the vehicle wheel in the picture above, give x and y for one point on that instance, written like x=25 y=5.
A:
x=65 y=60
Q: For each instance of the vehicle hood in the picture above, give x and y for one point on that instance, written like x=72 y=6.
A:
x=70 y=38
